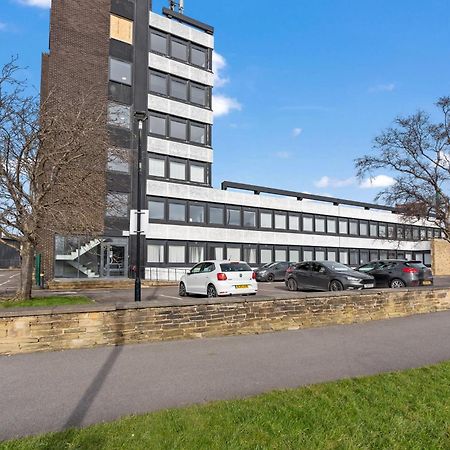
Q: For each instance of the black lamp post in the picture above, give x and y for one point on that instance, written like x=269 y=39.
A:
x=141 y=117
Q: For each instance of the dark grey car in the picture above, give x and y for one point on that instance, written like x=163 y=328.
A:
x=398 y=273
x=326 y=276
x=272 y=271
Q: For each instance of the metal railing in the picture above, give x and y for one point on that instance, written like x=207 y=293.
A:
x=165 y=273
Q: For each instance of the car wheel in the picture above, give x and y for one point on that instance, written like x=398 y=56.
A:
x=270 y=277
x=182 y=290
x=211 y=291
x=292 y=285
x=336 y=285
x=396 y=283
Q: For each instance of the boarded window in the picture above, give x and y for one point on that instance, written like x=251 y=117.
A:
x=121 y=29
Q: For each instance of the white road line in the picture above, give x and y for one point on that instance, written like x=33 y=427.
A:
x=15 y=275
x=168 y=296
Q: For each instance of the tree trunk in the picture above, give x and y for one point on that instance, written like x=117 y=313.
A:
x=26 y=271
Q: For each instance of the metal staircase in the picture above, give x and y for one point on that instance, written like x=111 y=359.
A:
x=72 y=258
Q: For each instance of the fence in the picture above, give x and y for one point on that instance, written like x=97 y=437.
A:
x=165 y=273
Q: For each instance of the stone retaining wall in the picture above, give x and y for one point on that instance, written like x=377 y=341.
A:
x=89 y=326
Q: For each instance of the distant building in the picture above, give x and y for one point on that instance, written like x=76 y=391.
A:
x=162 y=64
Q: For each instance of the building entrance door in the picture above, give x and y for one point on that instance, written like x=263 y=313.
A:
x=114 y=260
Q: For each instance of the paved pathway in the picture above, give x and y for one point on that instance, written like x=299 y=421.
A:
x=51 y=391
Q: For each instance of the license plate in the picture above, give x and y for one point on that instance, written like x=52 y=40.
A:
x=242 y=286
x=366 y=286
x=426 y=282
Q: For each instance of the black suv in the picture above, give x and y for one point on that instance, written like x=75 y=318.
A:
x=272 y=271
x=398 y=273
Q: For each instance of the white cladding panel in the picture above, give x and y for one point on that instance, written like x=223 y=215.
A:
x=184 y=31
x=178 y=149
x=180 y=69
x=175 y=108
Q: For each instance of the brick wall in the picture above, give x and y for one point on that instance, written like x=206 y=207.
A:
x=440 y=257
x=82 y=327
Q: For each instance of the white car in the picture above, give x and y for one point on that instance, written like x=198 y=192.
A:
x=214 y=278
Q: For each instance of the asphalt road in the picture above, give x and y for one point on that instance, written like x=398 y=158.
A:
x=43 y=392
x=9 y=280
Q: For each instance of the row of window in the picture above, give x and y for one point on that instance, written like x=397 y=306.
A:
x=166 y=167
x=179 y=129
x=179 y=49
x=176 y=252
x=179 y=89
x=174 y=210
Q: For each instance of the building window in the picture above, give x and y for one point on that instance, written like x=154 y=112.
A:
x=234 y=217
x=178 y=89
x=320 y=254
x=177 y=212
x=156 y=209
x=217 y=253
x=343 y=256
x=118 y=160
x=196 y=214
x=157 y=167
x=119 y=115
x=363 y=256
x=178 y=50
x=320 y=225
x=423 y=234
x=157 y=124
x=265 y=219
x=216 y=215
x=265 y=255
x=158 y=42
x=408 y=233
x=249 y=219
x=308 y=255
x=155 y=253
x=250 y=254
x=198 y=133
x=233 y=252
x=353 y=227
x=294 y=255
x=363 y=228
x=373 y=229
x=177 y=254
x=198 y=95
x=116 y=204
x=197 y=173
x=294 y=222
x=158 y=83
x=383 y=254
x=373 y=254
x=196 y=253
x=280 y=255
x=354 y=258
x=177 y=129
x=343 y=227
x=120 y=71
x=177 y=170
x=331 y=255
x=382 y=230
x=331 y=226
x=280 y=221
x=308 y=223
x=391 y=231
x=199 y=56
x=121 y=29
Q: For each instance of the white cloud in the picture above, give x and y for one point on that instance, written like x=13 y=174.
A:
x=222 y=105
x=218 y=65
x=283 y=155
x=325 y=182
x=297 y=132
x=379 y=181
x=382 y=88
x=38 y=3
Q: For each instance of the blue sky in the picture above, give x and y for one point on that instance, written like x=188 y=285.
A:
x=304 y=86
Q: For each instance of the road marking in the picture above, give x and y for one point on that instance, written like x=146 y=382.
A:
x=168 y=296
x=15 y=275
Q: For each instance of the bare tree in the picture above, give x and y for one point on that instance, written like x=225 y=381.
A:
x=52 y=165
x=416 y=151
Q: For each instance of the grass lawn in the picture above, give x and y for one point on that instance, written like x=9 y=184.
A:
x=46 y=301
x=404 y=410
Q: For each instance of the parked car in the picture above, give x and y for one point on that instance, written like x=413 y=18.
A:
x=213 y=278
x=274 y=271
x=398 y=273
x=326 y=276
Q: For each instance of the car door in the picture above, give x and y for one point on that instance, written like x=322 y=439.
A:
x=204 y=277
x=280 y=271
x=193 y=279
x=382 y=273
x=319 y=278
x=302 y=274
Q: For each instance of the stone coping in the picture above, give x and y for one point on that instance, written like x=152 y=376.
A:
x=120 y=306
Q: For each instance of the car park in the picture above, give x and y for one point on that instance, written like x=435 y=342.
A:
x=274 y=271
x=326 y=276
x=398 y=273
x=217 y=278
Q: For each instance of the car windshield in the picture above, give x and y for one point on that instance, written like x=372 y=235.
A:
x=338 y=267
x=267 y=265
x=235 y=267
x=416 y=264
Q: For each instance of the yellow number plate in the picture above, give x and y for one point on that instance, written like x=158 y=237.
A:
x=242 y=286
x=426 y=282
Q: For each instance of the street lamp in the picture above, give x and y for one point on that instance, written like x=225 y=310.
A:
x=141 y=117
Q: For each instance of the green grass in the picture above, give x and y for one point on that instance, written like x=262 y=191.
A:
x=45 y=301
x=404 y=410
